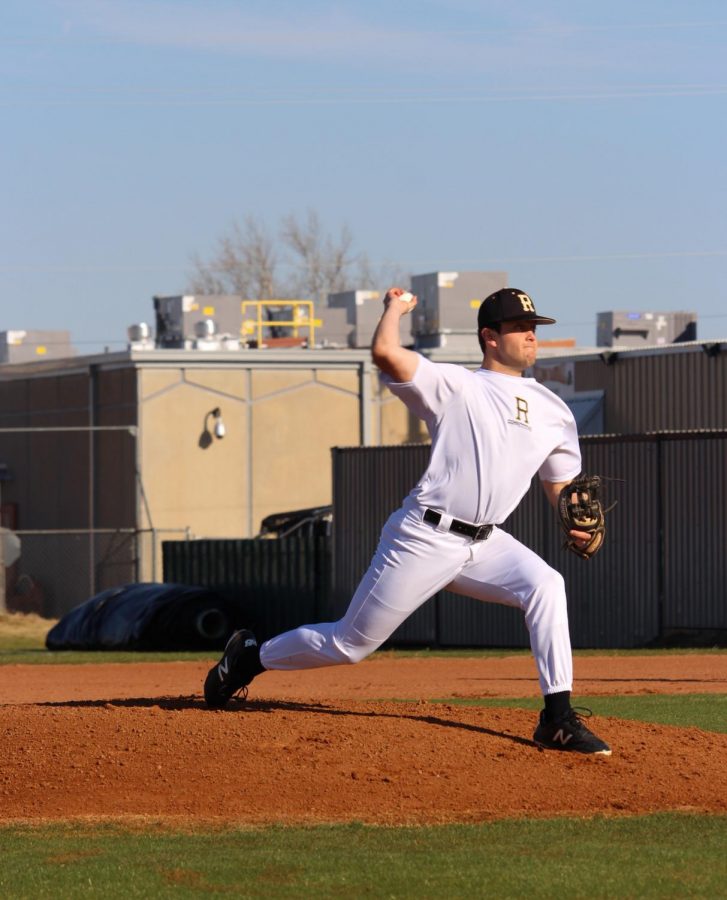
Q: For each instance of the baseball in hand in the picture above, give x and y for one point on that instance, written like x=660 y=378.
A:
x=406 y=297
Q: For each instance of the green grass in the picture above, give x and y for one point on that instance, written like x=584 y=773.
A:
x=22 y=640
x=14 y=651
x=706 y=711
x=499 y=652
x=666 y=855
x=82 y=657
x=20 y=643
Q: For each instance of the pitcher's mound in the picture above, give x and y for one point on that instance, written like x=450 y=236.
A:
x=335 y=761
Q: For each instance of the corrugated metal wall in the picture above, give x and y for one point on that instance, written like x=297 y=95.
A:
x=662 y=568
x=695 y=534
x=657 y=391
x=280 y=583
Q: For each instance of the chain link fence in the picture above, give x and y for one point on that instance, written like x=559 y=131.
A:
x=59 y=569
x=59 y=484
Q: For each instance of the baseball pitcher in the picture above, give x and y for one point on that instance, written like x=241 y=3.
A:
x=491 y=430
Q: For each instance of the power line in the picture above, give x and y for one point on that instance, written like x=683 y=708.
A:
x=385 y=97
x=246 y=36
x=339 y=90
x=81 y=269
x=495 y=260
x=596 y=257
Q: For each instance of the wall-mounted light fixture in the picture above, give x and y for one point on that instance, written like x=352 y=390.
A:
x=218 y=428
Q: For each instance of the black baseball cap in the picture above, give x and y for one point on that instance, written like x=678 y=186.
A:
x=509 y=305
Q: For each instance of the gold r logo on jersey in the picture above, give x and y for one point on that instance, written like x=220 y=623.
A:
x=527 y=303
x=521 y=410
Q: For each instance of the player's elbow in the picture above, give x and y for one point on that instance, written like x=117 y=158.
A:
x=384 y=357
x=397 y=362
x=380 y=354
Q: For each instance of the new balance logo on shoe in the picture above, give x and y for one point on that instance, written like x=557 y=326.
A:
x=569 y=733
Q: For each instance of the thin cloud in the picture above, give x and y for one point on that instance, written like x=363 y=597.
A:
x=500 y=42
x=329 y=34
x=292 y=34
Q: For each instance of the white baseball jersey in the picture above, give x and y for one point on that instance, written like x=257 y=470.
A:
x=490 y=434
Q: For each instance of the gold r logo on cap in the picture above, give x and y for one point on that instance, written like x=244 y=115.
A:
x=526 y=302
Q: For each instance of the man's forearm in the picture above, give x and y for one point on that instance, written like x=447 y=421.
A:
x=386 y=335
x=386 y=349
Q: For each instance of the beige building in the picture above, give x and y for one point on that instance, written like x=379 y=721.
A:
x=106 y=456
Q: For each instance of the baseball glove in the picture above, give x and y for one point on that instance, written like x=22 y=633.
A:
x=579 y=507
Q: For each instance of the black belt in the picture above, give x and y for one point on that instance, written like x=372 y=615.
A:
x=476 y=532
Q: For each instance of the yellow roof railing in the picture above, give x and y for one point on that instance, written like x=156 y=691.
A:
x=301 y=316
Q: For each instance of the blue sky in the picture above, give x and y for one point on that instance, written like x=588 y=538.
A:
x=579 y=146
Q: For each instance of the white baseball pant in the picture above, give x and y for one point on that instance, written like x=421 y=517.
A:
x=413 y=561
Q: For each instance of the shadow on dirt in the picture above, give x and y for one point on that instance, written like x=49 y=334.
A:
x=238 y=705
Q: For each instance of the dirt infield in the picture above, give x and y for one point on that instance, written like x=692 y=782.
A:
x=127 y=741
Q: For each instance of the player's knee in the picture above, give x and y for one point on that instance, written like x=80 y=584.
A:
x=356 y=654
x=552 y=584
x=353 y=651
x=555 y=598
x=548 y=596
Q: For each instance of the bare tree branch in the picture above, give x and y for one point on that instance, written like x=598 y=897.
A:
x=246 y=262
x=203 y=280
x=372 y=277
x=321 y=265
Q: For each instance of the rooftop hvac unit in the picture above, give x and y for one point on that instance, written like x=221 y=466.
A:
x=207 y=338
x=362 y=313
x=335 y=328
x=206 y=328
x=645 y=329
x=448 y=301
x=140 y=336
x=178 y=317
x=30 y=346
